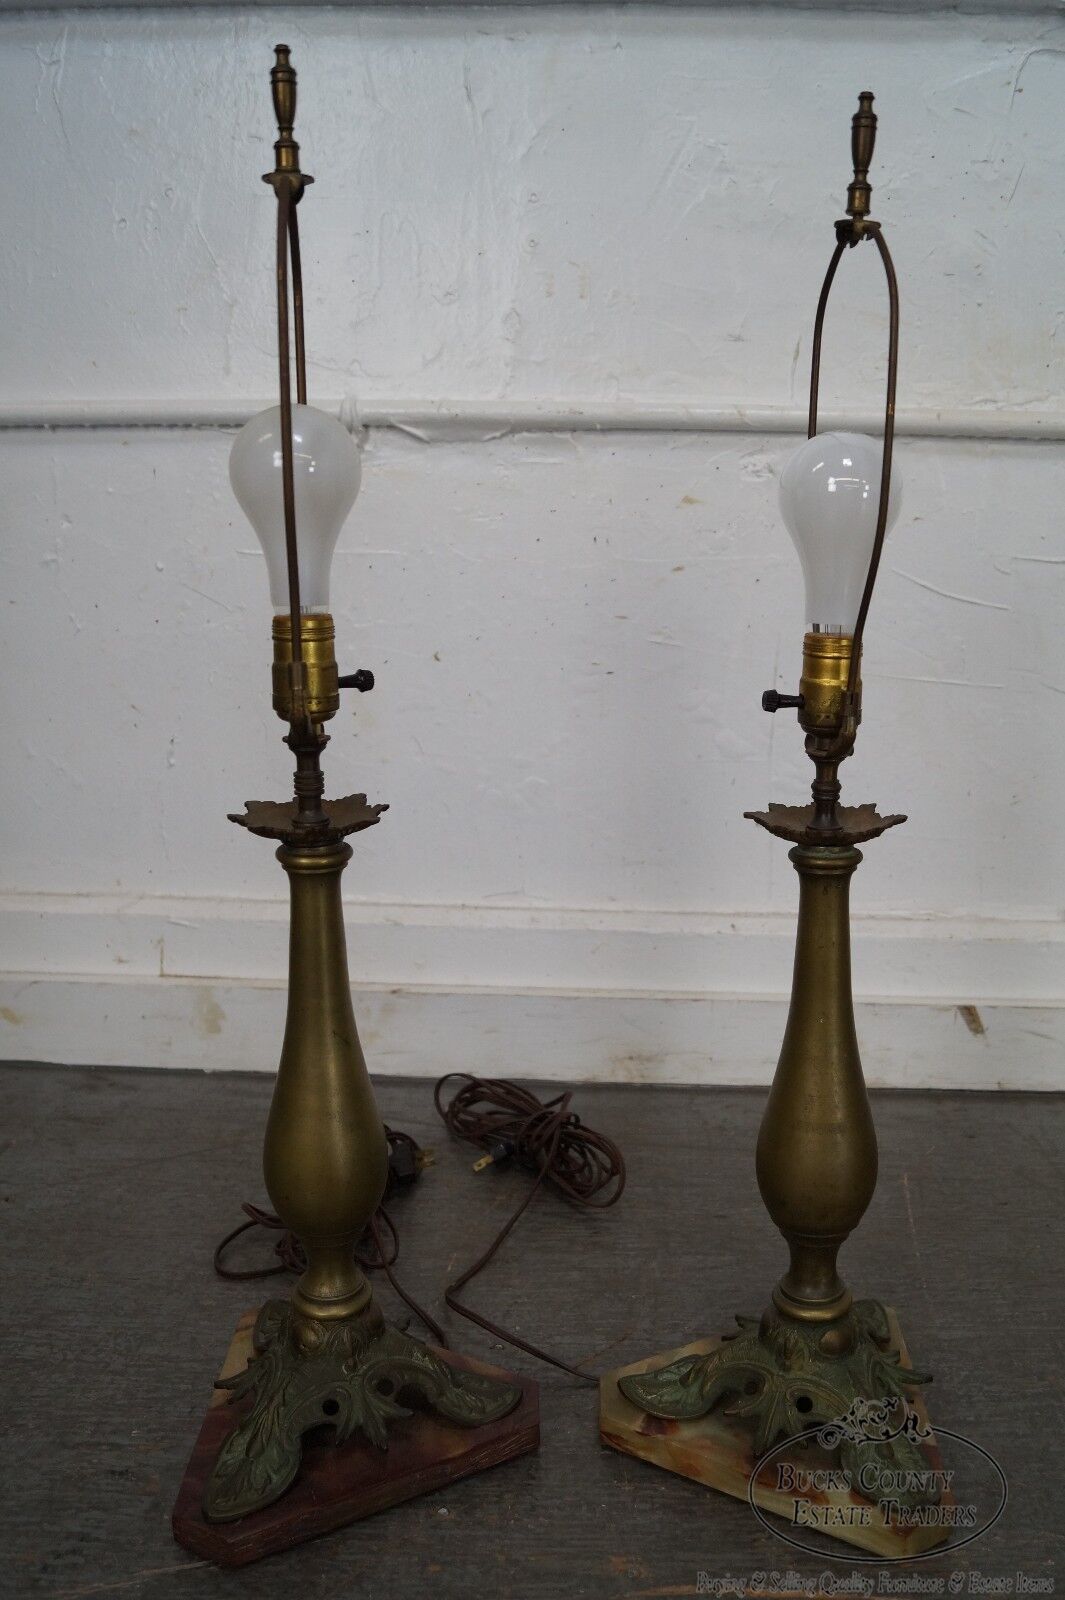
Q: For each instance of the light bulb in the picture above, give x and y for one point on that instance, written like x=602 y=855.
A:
x=830 y=498
x=327 y=468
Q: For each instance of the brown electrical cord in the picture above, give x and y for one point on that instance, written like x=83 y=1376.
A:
x=544 y=1137
x=289 y=1251
x=508 y=1123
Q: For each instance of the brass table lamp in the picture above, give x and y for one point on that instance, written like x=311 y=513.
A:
x=325 y=1358
x=815 y=1351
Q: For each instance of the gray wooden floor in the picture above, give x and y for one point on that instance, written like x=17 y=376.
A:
x=114 y=1186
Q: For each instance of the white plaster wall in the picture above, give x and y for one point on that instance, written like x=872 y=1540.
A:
x=572 y=255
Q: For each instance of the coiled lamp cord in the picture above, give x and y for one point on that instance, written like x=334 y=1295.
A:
x=548 y=1140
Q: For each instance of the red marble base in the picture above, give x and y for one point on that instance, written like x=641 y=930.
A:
x=338 y=1486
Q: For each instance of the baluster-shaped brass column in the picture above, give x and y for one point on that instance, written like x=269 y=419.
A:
x=814 y=1352
x=326 y=1356
x=816 y=1157
x=325 y=1159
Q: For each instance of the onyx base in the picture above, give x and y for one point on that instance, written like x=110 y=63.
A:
x=340 y=1485
x=717 y=1450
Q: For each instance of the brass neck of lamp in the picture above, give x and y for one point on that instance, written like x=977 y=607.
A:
x=325 y=1158
x=817 y=1154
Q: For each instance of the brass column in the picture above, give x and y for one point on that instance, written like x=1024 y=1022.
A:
x=816 y=1158
x=325 y=1159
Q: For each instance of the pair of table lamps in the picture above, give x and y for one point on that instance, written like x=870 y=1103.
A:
x=325 y=1358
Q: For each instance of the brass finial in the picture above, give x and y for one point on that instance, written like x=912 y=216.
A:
x=286 y=150
x=858 y=223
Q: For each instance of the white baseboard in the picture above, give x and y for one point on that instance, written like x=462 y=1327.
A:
x=227 y=1026
x=593 y=995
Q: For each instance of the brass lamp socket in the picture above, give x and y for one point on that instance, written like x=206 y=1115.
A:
x=317 y=635
x=826 y=664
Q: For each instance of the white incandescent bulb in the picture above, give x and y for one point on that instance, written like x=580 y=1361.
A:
x=326 y=471
x=830 y=499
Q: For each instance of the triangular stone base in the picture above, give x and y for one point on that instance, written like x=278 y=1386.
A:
x=716 y=1449
x=338 y=1485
